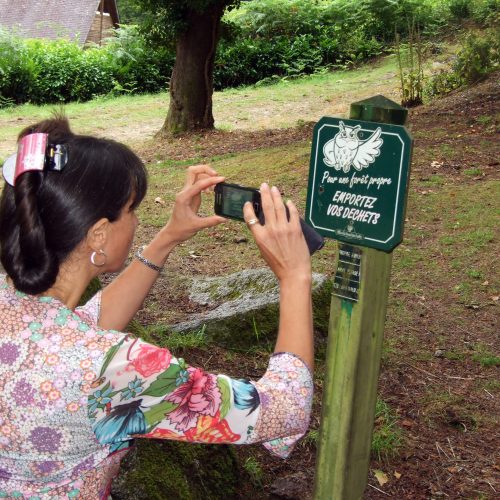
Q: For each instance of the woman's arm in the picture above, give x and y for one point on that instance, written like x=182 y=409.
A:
x=146 y=392
x=282 y=245
x=122 y=298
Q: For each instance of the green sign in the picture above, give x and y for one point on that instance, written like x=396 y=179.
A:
x=358 y=178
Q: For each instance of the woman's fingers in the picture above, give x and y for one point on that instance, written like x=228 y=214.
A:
x=294 y=213
x=211 y=221
x=279 y=207
x=201 y=185
x=250 y=217
x=267 y=204
x=194 y=171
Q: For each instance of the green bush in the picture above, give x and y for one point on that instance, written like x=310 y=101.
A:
x=136 y=66
x=486 y=12
x=478 y=57
x=45 y=71
x=16 y=70
x=460 y=9
x=262 y=40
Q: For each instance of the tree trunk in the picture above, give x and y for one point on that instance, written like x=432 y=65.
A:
x=191 y=85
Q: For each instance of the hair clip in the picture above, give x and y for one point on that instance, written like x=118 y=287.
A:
x=34 y=153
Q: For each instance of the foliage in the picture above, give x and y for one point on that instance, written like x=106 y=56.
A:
x=164 y=19
x=16 y=69
x=261 y=41
x=130 y=12
x=387 y=436
x=43 y=71
x=478 y=57
x=136 y=65
x=410 y=64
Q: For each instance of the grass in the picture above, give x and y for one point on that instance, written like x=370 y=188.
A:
x=175 y=341
x=387 y=436
x=257 y=107
x=254 y=470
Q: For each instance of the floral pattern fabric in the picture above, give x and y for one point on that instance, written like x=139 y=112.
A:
x=146 y=392
x=73 y=396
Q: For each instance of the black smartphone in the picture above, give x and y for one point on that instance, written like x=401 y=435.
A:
x=229 y=201
x=230 y=198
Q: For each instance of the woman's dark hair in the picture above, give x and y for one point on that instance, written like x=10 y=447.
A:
x=47 y=214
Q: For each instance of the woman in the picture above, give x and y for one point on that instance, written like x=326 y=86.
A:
x=74 y=391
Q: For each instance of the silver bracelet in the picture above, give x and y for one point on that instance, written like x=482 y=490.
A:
x=146 y=262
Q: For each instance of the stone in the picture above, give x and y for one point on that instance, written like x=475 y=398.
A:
x=293 y=486
x=244 y=307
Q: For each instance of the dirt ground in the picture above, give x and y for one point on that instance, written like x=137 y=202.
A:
x=451 y=442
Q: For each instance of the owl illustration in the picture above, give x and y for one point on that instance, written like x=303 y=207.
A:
x=346 y=149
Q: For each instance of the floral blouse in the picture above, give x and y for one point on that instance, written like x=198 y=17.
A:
x=73 y=396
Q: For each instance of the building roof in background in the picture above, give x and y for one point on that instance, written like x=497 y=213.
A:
x=53 y=18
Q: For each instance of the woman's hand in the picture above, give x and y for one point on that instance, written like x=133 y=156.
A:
x=185 y=221
x=280 y=241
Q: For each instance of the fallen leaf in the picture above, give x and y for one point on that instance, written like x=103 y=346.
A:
x=397 y=475
x=381 y=477
x=484 y=283
x=159 y=201
x=452 y=470
x=495 y=298
x=407 y=423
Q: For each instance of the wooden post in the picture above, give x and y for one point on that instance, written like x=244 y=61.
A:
x=354 y=349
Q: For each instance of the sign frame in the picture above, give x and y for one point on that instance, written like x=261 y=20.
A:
x=399 y=169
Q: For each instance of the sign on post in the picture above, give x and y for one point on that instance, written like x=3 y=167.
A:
x=357 y=182
x=357 y=191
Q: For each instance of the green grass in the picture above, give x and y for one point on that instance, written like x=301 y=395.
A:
x=175 y=341
x=387 y=436
x=484 y=356
x=254 y=470
x=132 y=119
x=473 y=172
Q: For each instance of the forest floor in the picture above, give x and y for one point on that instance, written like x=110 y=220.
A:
x=439 y=370
x=439 y=373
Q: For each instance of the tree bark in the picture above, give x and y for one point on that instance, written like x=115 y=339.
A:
x=191 y=85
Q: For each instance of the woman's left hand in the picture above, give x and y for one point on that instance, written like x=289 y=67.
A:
x=185 y=221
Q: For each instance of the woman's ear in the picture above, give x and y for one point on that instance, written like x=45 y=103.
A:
x=98 y=234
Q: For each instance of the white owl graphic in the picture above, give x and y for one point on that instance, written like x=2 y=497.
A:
x=346 y=149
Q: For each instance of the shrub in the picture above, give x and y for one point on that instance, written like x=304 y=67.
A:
x=478 y=57
x=16 y=70
x=45 y=71
x=136 y=65
x=486 y=12
x=460 y=9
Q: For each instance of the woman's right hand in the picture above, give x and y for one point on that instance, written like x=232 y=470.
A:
x=185 y=221
x=280 y=241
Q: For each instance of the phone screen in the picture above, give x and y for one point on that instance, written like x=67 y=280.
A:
x=230 y=199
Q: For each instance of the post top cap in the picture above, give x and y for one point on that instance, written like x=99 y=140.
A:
x=379 y=109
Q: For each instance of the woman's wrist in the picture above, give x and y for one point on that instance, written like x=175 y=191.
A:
x=296 y=283
x=159 y=249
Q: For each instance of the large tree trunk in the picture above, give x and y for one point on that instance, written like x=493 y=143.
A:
x=191 y=85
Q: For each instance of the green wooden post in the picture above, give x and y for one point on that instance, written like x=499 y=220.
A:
x=354 y=346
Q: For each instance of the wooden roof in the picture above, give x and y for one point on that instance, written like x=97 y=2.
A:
x=53 y=18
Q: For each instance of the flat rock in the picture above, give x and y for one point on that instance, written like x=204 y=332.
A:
x=244 y=306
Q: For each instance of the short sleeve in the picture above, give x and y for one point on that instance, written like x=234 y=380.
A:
x=144 y=391
x=91 y=311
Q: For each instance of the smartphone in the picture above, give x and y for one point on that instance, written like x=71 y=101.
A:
x=229 y=201
x=230 y=198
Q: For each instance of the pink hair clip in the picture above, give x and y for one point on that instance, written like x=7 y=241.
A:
x=34 y=153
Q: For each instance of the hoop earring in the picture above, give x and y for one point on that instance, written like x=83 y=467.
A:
x=95 y=254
